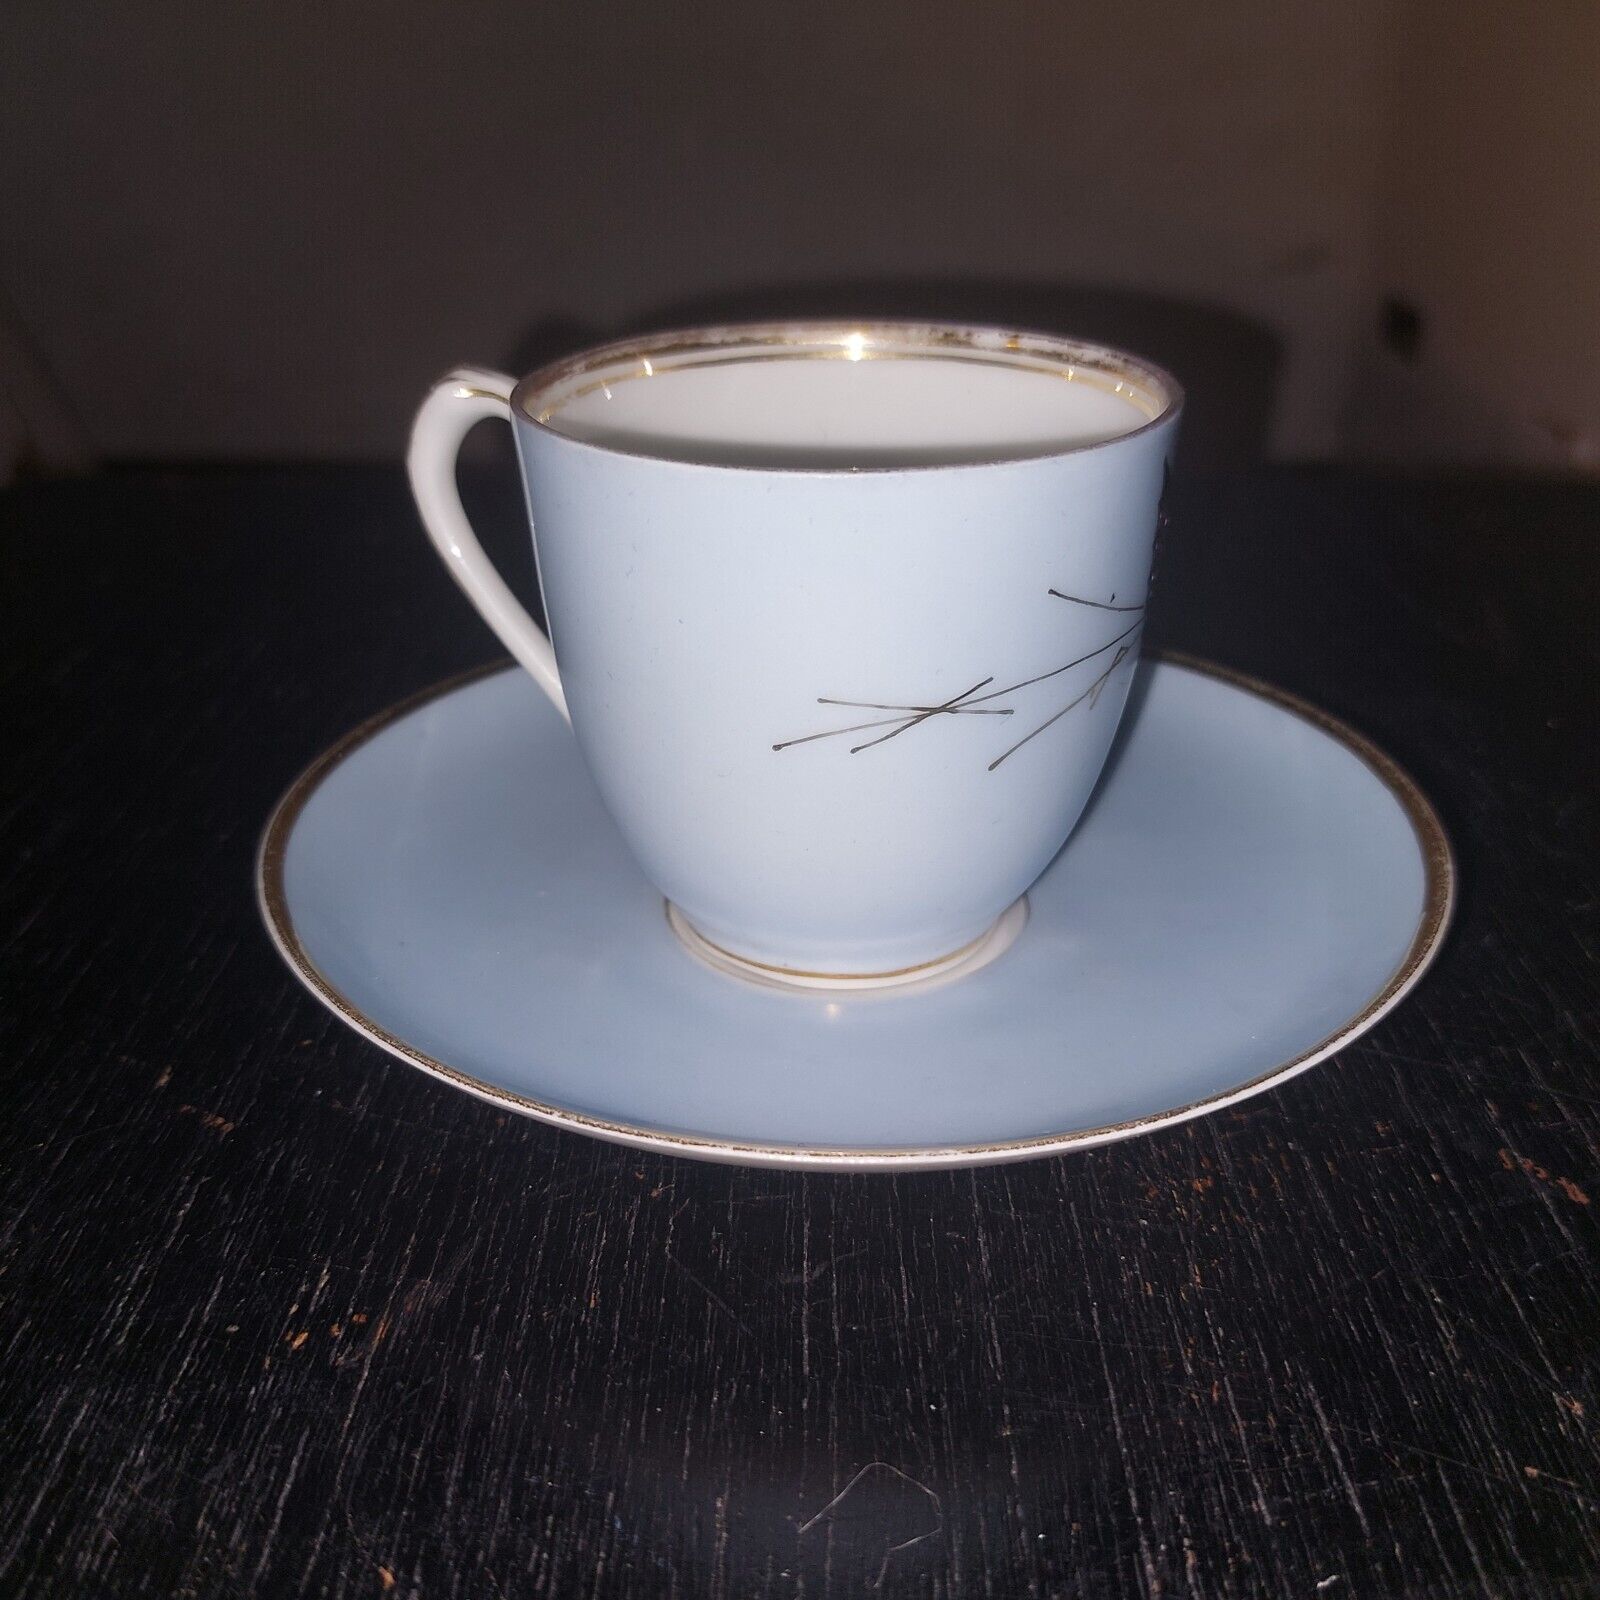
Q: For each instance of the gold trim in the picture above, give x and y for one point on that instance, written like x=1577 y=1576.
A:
x=1149 y=405
x=831 y=977
x=1149 y=388
x=1438 y=901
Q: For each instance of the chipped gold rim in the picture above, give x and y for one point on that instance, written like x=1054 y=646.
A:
x=1438 y=902
x=1150 y=389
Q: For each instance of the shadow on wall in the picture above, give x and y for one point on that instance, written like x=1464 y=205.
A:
x=1227 y=364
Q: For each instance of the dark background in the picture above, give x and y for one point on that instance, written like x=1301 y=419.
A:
x=237 y=232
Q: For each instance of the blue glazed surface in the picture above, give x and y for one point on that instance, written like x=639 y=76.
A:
x=713 y=625
x=1242 y=886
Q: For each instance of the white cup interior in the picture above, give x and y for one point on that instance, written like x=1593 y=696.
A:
x=847 y=397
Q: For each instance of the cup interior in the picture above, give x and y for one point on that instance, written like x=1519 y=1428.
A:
x=847 y=397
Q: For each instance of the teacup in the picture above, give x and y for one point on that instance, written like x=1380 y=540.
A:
x=843 y=617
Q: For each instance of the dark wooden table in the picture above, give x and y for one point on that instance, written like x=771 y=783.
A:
x=282 y=1317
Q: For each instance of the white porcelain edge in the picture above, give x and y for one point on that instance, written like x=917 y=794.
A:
x=460 y=399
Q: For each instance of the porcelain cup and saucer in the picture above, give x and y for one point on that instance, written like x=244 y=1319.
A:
x=837 y=819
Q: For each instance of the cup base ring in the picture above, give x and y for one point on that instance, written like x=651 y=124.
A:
x=977 y=953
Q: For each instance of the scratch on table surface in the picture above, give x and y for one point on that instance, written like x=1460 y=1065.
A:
x=427 y=1291
x=905 y=1544
x=1467 y=1466
x=809 y=1275
x=711 y=1295
x=1473 y=1074
x=1540 y=1473
x=893 y=1549
x=1146 y=1555
x=1345 y=1478
x=1545 y=1380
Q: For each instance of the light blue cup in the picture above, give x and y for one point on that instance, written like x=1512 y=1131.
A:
x=843 y=616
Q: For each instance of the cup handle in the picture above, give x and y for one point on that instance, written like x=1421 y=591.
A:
x=456 y=401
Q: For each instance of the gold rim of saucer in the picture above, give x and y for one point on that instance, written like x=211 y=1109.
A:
x=1432 y=925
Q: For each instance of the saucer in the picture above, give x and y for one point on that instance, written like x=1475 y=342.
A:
x=1253 y=886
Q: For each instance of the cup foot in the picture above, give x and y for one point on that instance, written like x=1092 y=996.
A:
x=987 y=947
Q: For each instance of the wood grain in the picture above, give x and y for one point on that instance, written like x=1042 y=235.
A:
x=281 y=1317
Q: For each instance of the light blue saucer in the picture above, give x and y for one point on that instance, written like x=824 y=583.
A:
x=1253 y=886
